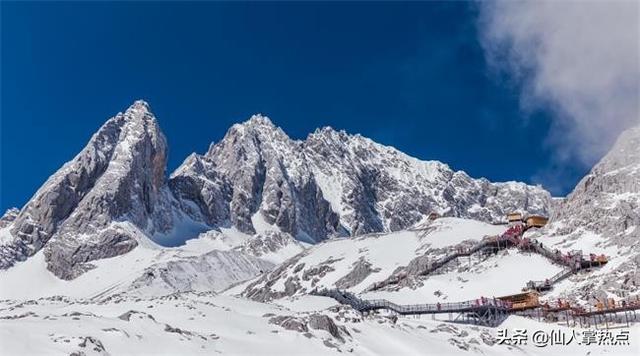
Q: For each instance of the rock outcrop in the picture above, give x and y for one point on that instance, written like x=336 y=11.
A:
x=604 y=209
x=114 y=193
x=118 y=176
x=9 y=216
x=332 y=184
x=607 y=200
x=257 y=175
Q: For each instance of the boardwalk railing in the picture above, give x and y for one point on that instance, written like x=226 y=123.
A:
x=490 y=312
x=344 y=297
x=513 y=236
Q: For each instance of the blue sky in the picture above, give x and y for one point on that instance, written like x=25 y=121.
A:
x=410 y=75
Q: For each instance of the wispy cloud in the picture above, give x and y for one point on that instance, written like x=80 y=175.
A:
x=578 y=59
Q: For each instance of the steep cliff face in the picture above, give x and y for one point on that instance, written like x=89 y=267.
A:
x=333 y=183
x=114 y=193
x=378 y=188
x=604 y=211
x=606 y=201
x=254 y=178
x=118 y=176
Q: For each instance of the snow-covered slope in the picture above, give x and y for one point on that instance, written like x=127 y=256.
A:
x=117 y=308
x=356 y=263
x=212 y=271
x=149 y=269
x=190 y=323
x=603 y=213
x=365 y=264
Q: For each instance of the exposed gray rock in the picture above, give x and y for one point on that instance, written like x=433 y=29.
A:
x=323 y=322
x=606 y=203
x=256 y=169
x=9 y=216
x=290 y=323
x=607 y=200
x=261 y=289
x=319 y=271
x=93 y=344
x=114 y=192
x=361 y=270
x=312 y=322
x=118 y=176
x=333 y=183
x=68 y=258
x=127 y=316
x=268 y=242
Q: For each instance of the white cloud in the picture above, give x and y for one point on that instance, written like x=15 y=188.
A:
x=579 y=59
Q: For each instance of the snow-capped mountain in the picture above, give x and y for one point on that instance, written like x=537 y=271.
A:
x=256 y=180
x=603 y=211
x=333 y=183
x=607 y=200
x=601 y=216
x=255 y=177
x=377 y=188
x=97 y=244
x=118 y=176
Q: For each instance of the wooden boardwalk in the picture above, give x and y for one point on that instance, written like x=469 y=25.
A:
x=492 y=311
x=513 y=237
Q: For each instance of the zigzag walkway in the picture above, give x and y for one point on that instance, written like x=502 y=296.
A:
x=512 y=237
x=488 y=311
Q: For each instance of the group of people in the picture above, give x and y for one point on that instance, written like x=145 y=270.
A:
x=482 y=301
x=610 y=303
x=493 y=302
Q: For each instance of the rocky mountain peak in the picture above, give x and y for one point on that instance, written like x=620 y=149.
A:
x=604 y=211
x=609 y=196
x=328 y=136
x=139 y=108
x=118 y=176
x=624 y=155
x=257 y=125
x=256 y=179
x=259 y=120
x=328 y=131
x=254 y=135
x=335 y=183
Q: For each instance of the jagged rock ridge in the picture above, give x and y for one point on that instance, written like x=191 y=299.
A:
x=118 y=176
x=605 y=208
x=333 y=183
x=114 y=193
